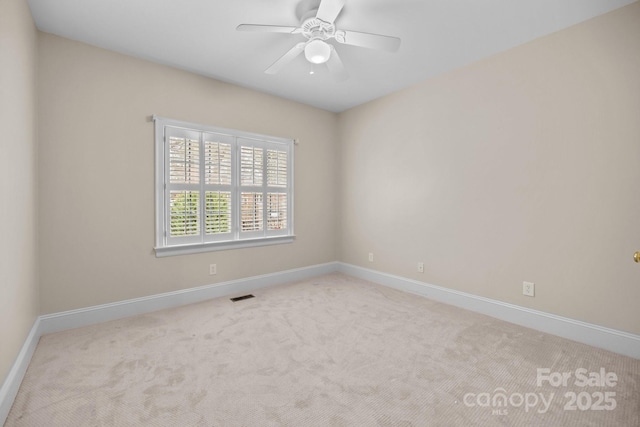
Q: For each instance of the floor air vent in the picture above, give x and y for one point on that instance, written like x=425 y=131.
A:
x=242 y=297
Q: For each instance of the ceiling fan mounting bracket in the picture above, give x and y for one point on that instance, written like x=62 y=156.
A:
x=314 y=28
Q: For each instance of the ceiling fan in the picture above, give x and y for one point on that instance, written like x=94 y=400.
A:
x=318 y=26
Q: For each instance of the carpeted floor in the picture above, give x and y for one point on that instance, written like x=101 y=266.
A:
x=330 y=351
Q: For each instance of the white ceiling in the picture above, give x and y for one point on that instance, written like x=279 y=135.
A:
x=200 y=36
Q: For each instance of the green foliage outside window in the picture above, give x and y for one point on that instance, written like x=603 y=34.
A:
x=185 y=220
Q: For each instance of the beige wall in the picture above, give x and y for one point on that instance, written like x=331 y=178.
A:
x=96 y=160
x=524 y=166
x=18 y=281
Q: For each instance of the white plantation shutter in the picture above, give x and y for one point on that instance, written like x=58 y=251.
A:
x=276 y=211
x=184 y=158
x=251 y=164
x=184 y=217
x=218 y=218
x=183 y=186
x=219 y=186
x=251 y=213
x=277 y=168
x=277 y=174
x=251 y=188
x=217 y=159
x=264 y=208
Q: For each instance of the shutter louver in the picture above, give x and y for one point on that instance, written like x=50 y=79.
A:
x=251 y=166
x=217 y=178
x=184 y=161
x=276 y=211
x=251 y=212
x=217 y=163
x=184 y=213
x=217 y=212
x=276 y=168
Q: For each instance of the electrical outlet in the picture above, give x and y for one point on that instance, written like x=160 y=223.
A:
x=370 y=256
x=528 y=289
x=213 y=269
x=421 y=267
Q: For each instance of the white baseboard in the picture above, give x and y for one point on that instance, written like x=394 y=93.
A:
x=102 y=313
x=12 y=382
x=598 y=336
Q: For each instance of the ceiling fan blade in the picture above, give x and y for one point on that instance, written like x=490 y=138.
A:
x=285 y=59
x=267 y=28
x=329 y=10
x=336 y=67
x=371 y=41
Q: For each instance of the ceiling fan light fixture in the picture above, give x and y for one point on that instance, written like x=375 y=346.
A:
x=317 y=52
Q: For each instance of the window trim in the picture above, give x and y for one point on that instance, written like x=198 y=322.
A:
x=162 y=248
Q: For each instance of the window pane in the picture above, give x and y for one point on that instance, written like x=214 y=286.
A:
x=184 y=161
x=251 y=211
x=251 y=165
x=276 y=168
x=217 y=212
x=219 y=188
x=217 y=163
x=276 y=211
x=184 y=206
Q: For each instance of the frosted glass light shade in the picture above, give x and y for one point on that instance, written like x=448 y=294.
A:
x=317 y=52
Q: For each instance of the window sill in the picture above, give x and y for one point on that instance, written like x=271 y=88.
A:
x=167 y=251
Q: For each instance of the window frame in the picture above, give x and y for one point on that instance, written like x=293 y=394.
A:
x=169 y=246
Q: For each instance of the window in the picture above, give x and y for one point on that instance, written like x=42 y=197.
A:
x=220 y=188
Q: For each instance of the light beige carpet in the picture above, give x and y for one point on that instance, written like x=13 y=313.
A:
x=331 y=351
